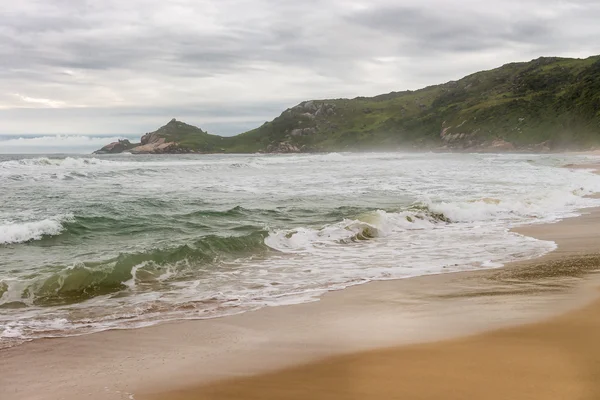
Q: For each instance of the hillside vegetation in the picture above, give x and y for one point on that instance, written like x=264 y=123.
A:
x=545 y=104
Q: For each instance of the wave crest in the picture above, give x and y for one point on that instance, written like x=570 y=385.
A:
x=86 y=280
x=13 y=232
x=70 y=162
x=367 y=226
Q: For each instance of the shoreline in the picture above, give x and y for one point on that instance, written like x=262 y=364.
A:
x=148 y=362
x=511 y=359
x=553 y=359
x=157 y=361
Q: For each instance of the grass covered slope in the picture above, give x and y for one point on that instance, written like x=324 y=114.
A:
x=179 y=137
x=547 y=103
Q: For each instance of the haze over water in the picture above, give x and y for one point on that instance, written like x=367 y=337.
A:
x=93 y=243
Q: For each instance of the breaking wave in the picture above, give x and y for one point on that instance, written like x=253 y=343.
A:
x=14 y=232
x=95 y=278
x=70 y=162
x=90 y=279
x=366 y=226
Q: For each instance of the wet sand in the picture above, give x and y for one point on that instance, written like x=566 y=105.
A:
x=359 y=342
x=559 y=359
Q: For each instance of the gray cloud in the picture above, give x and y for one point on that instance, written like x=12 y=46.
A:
x=77 y=66
x=423 y=30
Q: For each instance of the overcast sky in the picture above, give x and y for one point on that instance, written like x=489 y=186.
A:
x=127 y=67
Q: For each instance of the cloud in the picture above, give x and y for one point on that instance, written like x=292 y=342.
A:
x=421 y=30
x=84 y=67
x=44 y=102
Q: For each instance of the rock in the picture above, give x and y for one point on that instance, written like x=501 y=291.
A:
x=329 y=109
x=151 y=145
x=162 y=147
x=450 y=137
x=145 y=139
x=543 y=147
x=282 y=147
x=153 y=137
x=115 y=147
x=310 y=106
x=444 y=130
x=501 y=145
x=303 y=132
x=311 y=110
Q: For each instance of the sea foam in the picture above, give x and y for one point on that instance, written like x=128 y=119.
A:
x=14 y=232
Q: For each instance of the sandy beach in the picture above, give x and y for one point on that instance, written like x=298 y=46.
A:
x=525 y=331
x=558 y=358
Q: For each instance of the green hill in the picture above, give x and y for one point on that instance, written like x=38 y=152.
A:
x=547 y=103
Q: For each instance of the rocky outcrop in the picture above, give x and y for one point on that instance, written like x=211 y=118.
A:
x=116 y=147
x=312 y=109
x=501 y=145
x=156 y=142
x=157 y=146
x=469 y=141
x=543 y=147
x=284 y=147
x=160 y=146
x=166 y=139
x=303 y=132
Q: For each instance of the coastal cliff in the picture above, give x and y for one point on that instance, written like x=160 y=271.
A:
x=543 y=105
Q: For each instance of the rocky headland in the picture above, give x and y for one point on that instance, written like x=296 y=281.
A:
x=548 y=104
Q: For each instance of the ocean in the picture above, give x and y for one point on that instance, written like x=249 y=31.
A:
x=89 y=243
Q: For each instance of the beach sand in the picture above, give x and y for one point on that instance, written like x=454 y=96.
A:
x=558 y=359
x=532 y=330
x=554 y=359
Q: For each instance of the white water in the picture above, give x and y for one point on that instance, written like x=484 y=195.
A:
x=333 y=220
x=12 y=232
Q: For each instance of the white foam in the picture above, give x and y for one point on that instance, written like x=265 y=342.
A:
x=14 y=232
x=11 y=332
x=376 y=224
x=332 y=157
x=491 y=264
x=132 y=282
x=546 y=207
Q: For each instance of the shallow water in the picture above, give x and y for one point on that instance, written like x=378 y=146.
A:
x=93 y=243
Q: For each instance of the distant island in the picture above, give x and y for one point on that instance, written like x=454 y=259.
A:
x=546 y=104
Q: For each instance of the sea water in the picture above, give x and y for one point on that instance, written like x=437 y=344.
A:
x=89 y=243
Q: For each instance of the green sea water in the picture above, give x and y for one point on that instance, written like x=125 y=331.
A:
x=92 y=243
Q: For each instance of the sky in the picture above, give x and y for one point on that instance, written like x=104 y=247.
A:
x=115 y=68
